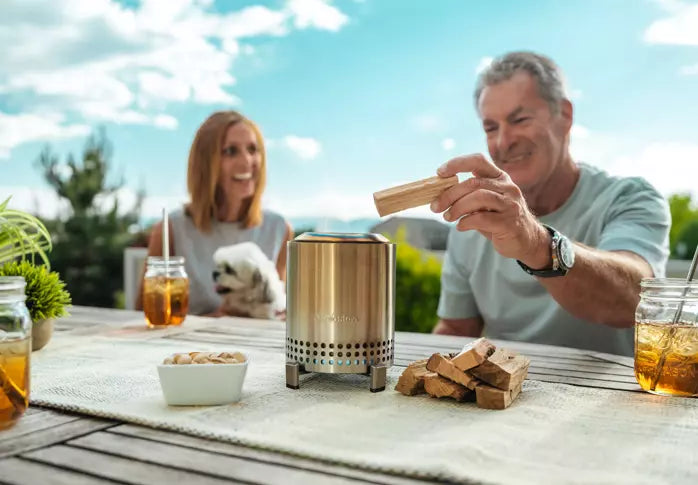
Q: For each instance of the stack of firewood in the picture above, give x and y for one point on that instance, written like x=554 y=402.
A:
x=480 y=372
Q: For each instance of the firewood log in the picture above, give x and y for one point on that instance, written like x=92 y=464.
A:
x=473 y=354
x=503 y=369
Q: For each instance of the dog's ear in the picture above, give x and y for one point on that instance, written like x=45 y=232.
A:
x=267 y=296
x=256 y=278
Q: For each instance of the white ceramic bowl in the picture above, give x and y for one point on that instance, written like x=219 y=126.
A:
x=202 y=384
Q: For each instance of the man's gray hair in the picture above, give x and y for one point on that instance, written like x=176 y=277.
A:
x=548 y=76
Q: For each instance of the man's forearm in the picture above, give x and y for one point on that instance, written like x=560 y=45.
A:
x=467 y=327
x=602 y=287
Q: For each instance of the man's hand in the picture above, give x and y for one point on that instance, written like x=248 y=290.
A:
x=493 y=205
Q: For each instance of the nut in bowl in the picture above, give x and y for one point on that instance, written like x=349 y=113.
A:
x=203 y=378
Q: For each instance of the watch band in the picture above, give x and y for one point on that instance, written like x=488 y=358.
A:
x=556 y=269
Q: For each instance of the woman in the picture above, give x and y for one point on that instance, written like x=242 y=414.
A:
x=226 y=179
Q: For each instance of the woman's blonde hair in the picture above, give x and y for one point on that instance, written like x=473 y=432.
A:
x=204 y=169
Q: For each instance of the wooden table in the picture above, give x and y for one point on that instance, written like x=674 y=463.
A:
x=48 y=446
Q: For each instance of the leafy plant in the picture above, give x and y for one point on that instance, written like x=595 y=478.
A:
x=417 y=287
x=46 y=294
x=684 y=217
x=21 y=235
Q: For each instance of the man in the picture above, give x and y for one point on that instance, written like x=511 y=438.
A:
x=545 y=249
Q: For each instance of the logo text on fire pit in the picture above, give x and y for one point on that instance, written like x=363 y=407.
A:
x=335 y=318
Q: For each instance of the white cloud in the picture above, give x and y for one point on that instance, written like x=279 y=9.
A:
x=44 y=202
x=427 y=123
x=575 y=94
x=102 y=61
x=16 y=129
x=448 y=144
x=317 y=13
x=679 y=28
x=329 y=202
x=305 y=148
x=154 y=85
x=668 y=165
x=165 y=121
x=579 y=131
x=336 y=202
x=689 y=70
x=152 y=205
x=483 y=64
x=27 y=199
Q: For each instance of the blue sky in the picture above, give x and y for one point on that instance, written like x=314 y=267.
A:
x=353 y=96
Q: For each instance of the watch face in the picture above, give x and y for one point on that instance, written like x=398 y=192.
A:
x=566 y=253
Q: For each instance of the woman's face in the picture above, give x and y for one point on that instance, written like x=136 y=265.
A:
x=240 y=162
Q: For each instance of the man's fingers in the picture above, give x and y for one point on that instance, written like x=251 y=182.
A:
x=452 y=194
x=480 y=201
x=477 y=164
x=484 y=222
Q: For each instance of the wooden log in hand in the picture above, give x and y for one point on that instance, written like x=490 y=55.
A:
x=410 y=195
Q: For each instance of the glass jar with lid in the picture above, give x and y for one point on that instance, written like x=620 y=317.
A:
x=165 y=291
x=15 y=350
x=666 y=337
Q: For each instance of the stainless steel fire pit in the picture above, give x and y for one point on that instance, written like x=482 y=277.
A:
x=340 y=313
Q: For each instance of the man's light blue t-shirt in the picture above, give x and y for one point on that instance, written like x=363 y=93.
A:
x=604 y=212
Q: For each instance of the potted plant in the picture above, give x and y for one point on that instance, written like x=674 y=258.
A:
x=46 y=297
x=22 y=238
x=22 y=235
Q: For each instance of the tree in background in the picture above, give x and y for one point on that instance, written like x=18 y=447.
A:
x=417 y=287
x=683 y=236
x=88 y=244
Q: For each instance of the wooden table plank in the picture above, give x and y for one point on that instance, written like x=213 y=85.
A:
x=112 y=467
x=215 y=464
x=47 y=428
x=576 y=381
x=17 y=471
x=262 y=456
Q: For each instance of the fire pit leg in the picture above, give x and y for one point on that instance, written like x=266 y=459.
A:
x=378 y=377
x=293 y=370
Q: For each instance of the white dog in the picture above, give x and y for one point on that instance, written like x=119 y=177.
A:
x=248 y=281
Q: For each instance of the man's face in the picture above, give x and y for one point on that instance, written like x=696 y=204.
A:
x=524 y=138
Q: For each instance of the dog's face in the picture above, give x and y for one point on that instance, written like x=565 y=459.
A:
x=248 y=281
x=235 y=276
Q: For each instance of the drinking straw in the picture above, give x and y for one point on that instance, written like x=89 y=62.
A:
x=166 y=255
x=677 y=318
x=165 y=237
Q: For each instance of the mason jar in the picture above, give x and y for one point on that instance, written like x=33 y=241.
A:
x=15 y=350
x=165 y=291
x=666 y=337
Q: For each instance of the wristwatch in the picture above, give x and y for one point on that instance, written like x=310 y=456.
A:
x=563 y=256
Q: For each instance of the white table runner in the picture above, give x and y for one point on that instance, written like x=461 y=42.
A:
x=553 y=433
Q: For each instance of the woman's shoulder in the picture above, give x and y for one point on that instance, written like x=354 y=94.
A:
x=178 y=214
x=273 y=219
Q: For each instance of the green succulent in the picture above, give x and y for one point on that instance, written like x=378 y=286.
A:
x=46 y=293
x=21 y=235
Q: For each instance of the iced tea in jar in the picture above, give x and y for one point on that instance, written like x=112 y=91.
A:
x=15 y=350
x=666 y=337
x=165 y=291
